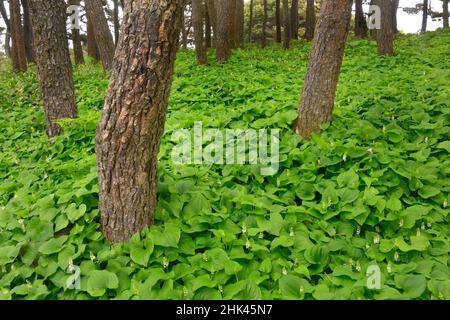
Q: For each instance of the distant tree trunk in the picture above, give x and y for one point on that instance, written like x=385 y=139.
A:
x=225 y=11
x=76 y=39
x=132 y=123
x=424 y=16
x=264 y=25
x=92 y=48
x=116 y=21
x=250 y=23
x=445 y=13
x=395 y=4
x=212 y=15
x=278 y=20
x=360 y=21
x=18 y=42
x=197 y=21
x=102 y=33
x=385 y=36
x=240 y=23
x=286 y=24
x=324 y=66
x=53 y=62
x=184 y=31
x=294 y=19
x=4 y=14
x=28 y=33
x=208 y=28
x=310 y=19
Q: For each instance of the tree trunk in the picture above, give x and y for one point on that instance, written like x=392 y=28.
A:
x=424 y=16
x=8 y=28
x=250 y=23
x=294 y=19
x=28 y=33
x=184 y=32
x=324 y=66
x=132 y=123
x=18 y=42
x=53 y=62
x=445 y=14
x=264 y=26
x=102 y=33
x=287 y=24
x=239 y=24
x=360 y=21
x=208 y=28
x=92 y=48
x=310 y=19
x=385 y=36
x=116 y=21
x=212 y=14
x=76 y=40
x=395 y=4
x=278 y=20
x=197 y=21
x=225 y=11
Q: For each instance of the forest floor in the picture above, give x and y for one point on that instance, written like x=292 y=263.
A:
x=370 y=192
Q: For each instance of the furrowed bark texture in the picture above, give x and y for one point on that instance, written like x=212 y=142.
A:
x=286 y=24
x=225 y=11
x=19 y=58
x=197 y=21
x=294 y=19
x=53 y=62
x=92 y=48
x=360 y=21
x=28 y=33
x=324 y=66
x=385 y=36
x=310 y=19
x=132 y=123
x=240 y=23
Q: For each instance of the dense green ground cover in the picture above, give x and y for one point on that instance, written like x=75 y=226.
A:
x=371 y=190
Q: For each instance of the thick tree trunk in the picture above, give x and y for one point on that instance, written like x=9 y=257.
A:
x=197 y=21
x=310 y=19
x=4 y=14
x=324 y=66
x=360 y=21
x=395 y=4
x=225 y=11
x=53 y=62
x=239 y=23
x=76 y=40
x=116 y=21
x=424 y=16
x=250 y=23
x=445 y=14
x=208 y=28
x=286 y=24
x=385 y=36
x=28 y=33
x=92 y=48
x=264 y=25
x=19 y=58
x=132 y=123
x=102 y=33
x=278 y=20
x=294 y=19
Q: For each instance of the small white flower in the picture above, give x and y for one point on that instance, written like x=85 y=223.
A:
x=92 y=256
x=205 y=258
x=244 y=228
x=284 y=271
x=429 y=225
x=376 y=239
x=423 y=226
x=370 y=151
x=165 y=263
x=358 y=266
x=261 y=235
x=344 y=157
x=384 y=129
x=400 y=224
x=426 y=139
x=445 y=204
x=367 y=245
x=396 y=256
x=292 y=232
x=302 y=289
x=247 y=244
x=358 y=231
x=389 y=268
x=418 y=232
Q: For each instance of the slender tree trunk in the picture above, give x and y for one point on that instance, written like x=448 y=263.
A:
x=310 y=19
x=184 y=31
x=240 y=23
x=250 y=23
x=212 y=14
x=92 y=48
x=102 y=33
x=287 y=24
x=264 y=26
x=76 y=39
x=424 y=16
x=116 y=21
x=360 y=21
x=395 y=4
x=28 y=33
x=4 y=14
x=53 y=62
x=445 y=13
x=278 y=20
x=197 y=21
x=294 y=19
x=132 y=123
x=324 y=66
x=225 y=11
x=18 y=42
x=208 y=28
x=385 y=36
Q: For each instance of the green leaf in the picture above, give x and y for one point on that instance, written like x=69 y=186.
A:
x=293 y=287
x=348 y=179
x=101 y=280
x=412 y=285
x=53 y=245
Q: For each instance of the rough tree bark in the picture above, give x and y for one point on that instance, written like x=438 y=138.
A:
x=424 y=16
x=225 y=11
x=76 y=39
x=197 y=21
x=361 y=29
x=324 y=66
x=132 y=123
x=208 y=27
x=250 y=23
x=28 y=33
x=92 y=48
x=264 y=25
x=278 y=20
x=102 y=33
x=239 y=23
x=310 y=19
x=53 y=62
x=19 y=58
x=395 y=4
x=385 y=36
x=445 y=15
x=286 y=24
x=212 y=19
x=294 y=19
x=4 y=14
